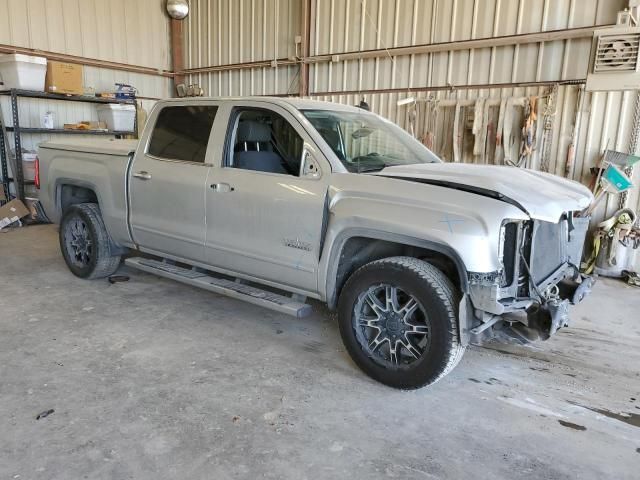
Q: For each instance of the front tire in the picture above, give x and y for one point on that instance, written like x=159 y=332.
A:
x=398 y=321
x=85 y=242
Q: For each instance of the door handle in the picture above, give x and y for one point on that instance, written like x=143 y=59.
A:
x=142 y=175
x=221 y=187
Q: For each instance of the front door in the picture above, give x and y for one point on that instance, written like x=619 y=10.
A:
x=264 y=207
x=168 y=181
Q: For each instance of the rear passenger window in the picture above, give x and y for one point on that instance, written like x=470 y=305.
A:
x=182 y=133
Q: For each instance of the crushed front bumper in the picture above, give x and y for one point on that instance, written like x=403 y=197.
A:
x=553 y=314
x=484 y=312
x=538 y=282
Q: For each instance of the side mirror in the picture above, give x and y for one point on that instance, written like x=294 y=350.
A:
x=310 y=167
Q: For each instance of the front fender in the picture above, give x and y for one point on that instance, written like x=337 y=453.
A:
x=331 y=259
x=463 y=226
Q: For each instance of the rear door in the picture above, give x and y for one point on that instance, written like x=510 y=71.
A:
x=167 y=182
x=265 y=211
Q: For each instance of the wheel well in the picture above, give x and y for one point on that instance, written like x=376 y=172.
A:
x=359 y=251
x=73 y=194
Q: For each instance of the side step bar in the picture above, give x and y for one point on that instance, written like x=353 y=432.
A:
x=221 y=286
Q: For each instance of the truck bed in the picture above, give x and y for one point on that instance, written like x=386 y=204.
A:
x=102 y=145
x=84 y=171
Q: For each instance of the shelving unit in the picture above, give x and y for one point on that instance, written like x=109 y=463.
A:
x=19 y=130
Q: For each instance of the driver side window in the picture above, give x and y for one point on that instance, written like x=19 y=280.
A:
x=264 y=141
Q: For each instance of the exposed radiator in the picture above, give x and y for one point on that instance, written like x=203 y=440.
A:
x=555 y=244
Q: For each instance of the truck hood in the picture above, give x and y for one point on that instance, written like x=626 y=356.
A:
x=542 y=196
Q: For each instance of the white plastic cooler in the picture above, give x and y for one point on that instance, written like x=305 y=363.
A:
x=118 y=116
x=22 y=72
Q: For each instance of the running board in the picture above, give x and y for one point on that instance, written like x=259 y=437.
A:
x=221 y=286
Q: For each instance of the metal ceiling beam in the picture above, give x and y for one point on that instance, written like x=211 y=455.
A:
x=508 y=40
x=481 y=86
x=549 y=36
x=90 y=62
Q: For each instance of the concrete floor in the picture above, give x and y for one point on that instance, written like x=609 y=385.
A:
x=151 y=379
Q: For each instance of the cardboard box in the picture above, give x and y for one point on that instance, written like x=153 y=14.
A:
x=64 y=78
x=12 y=212
x=2 y=195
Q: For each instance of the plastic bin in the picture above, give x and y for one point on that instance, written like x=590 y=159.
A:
x=23 y=72
x=118 y=116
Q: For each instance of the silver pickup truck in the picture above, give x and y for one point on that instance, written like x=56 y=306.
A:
x=273 y=200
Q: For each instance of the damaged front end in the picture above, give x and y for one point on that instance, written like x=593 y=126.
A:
x=529 y=298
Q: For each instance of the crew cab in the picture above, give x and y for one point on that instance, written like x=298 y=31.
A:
x=276 y=200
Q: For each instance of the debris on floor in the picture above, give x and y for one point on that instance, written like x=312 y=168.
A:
x=632 y=278
x=44 y=414
x=12 y=212
x=118 y=278
x=574 y=426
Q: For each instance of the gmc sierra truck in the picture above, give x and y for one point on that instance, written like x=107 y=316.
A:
x=276 y=200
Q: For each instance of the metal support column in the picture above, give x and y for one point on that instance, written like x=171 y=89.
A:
x=4 y=158
x=18 y=175
x=634 y=143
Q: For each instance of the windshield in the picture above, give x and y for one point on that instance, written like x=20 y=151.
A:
x=365 y=142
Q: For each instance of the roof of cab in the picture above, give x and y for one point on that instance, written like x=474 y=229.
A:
x=296 y=102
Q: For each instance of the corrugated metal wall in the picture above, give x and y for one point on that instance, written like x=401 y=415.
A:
x=351 y=25
x=223 y=32
x=133 y=32
x=252 y=30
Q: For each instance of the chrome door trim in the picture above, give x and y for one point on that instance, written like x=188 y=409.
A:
x=173 y=160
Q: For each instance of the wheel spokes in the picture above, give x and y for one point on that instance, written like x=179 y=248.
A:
x=408 y=309
x=78 y=243
x=391 y=298
x=395 y=351
x=370 y=322
x=416 y=329
x=374 y=303
x=408 y=346
x=389 y=314
x=394 y=356
x=376 y=342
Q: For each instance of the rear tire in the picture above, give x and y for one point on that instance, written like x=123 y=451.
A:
x=398 y=319
x=85 y=243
